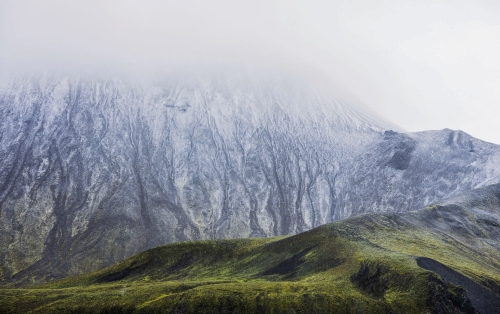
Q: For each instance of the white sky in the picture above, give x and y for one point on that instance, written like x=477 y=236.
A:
x=422 y=64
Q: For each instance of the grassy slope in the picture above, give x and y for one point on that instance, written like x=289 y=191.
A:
x=363 y=264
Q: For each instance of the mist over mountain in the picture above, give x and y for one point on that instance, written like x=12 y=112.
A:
x=94 y=169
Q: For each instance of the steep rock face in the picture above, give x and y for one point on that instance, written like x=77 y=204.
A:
x=405 y=171
x=94 y=170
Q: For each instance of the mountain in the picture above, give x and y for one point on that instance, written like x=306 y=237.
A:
x=444 y=258
x=404 y=171
x=95 y=169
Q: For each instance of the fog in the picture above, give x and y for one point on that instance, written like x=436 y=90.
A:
x=135 y=34
x=422 y=64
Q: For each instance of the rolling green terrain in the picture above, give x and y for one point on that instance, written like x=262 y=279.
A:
x=444 y=258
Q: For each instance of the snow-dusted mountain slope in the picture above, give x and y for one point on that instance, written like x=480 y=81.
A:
x=401 y=171
x=93 y=170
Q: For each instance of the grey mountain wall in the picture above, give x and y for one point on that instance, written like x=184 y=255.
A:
x=95 y=170
x=399 y=171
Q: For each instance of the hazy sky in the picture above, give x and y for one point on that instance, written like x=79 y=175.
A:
x=422 y=64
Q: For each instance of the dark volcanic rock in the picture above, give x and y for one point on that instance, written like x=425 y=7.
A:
x=402 y=153
x=484 y=300
x=447 y=299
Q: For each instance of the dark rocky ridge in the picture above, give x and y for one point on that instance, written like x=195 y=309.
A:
x=95 y=170
x=485 y=301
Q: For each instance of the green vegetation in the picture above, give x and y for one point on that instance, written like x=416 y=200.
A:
x=366 y=264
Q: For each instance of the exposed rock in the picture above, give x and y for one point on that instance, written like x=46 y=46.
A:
x=94 y=170
x=468 y=294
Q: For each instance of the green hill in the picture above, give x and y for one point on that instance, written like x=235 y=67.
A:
x=444 y=258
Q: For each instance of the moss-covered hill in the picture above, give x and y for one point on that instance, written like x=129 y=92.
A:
x=442 y=259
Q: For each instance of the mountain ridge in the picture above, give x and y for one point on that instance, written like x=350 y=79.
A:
x=410 y=262
x=94 y=171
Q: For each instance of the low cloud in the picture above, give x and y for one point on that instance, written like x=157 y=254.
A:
x=422 y=64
